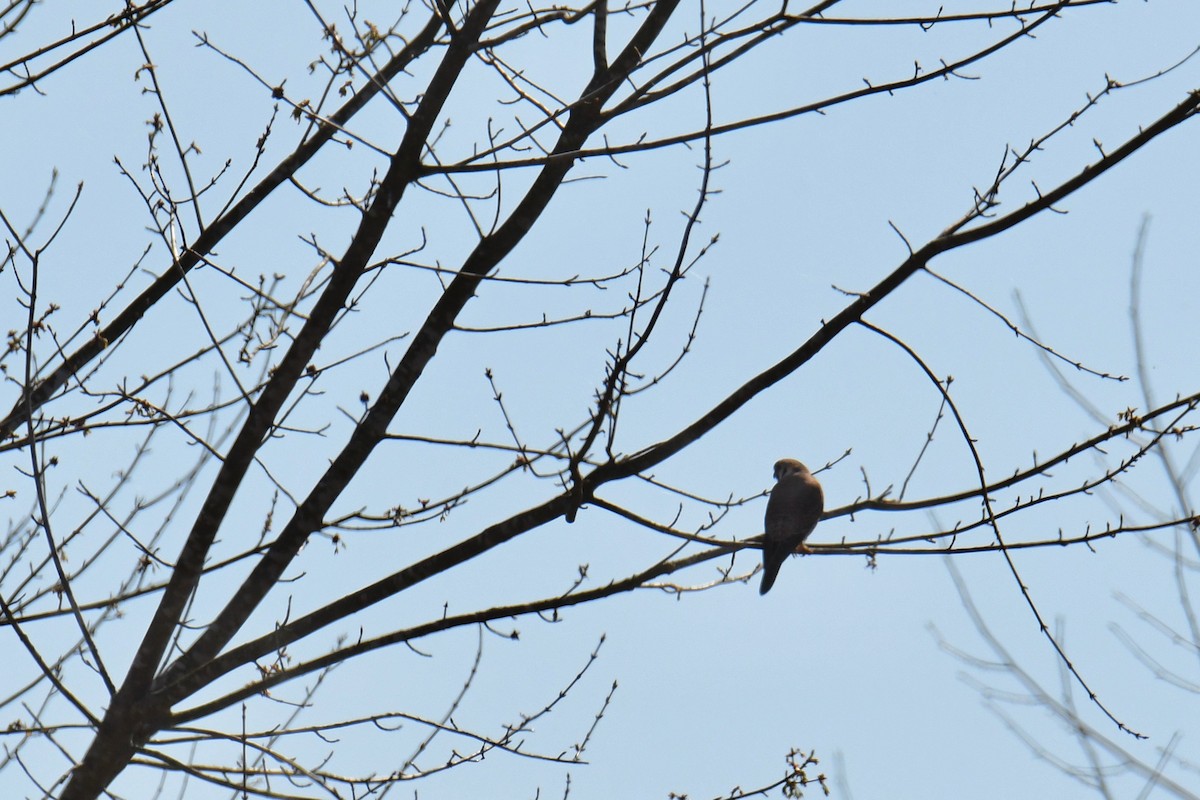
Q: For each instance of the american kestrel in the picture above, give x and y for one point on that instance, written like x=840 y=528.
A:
x=793 y=509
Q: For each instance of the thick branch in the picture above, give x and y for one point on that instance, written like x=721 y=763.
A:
x=33 y=397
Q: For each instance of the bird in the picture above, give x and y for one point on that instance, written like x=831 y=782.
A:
x=793 y=509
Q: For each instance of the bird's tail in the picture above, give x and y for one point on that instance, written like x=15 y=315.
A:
x=771 y=565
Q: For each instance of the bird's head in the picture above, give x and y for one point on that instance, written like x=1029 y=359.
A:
x=789 y=466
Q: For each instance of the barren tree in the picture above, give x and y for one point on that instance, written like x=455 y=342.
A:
x=1155 y=624
x=281 y=418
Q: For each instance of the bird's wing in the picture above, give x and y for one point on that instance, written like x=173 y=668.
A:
x=793 y=509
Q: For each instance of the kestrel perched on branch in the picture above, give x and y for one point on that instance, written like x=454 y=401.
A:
x=793 y=509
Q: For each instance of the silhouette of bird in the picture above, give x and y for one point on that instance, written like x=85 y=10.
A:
x=793 y=509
